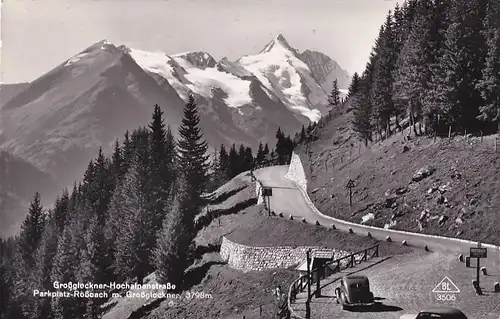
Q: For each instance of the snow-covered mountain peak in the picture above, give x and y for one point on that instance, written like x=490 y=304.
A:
x=200 y=59
x=279 y=43
x=102 y=45
x=93 y=50
x=286 y=76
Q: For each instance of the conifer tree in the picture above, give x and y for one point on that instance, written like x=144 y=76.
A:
x=170 y=158
x=249 y=160
x=303 y=135
x=489 y=84
x=41 y=274
x=233 y=162
x=117 y=166
x=170 y=255
x=223 y=163
x=31 y=232
x=136 y=236
x=192 y=154
x=128 y=152
x=266 y=149
x=383 y=79
x=460 y=66
x=353 y=87
x=60 y=211
x=67 y=260
x=260 y=156
x=412 y=75
x=361 y=122
x=241 y=159
x=334 y=97
x=281 y=147
x=102 y=186
x=27 y=244
x=162 y=166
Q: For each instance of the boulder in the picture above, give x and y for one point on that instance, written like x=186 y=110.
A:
x=401 y=190
x=424 y=214
x=389 y=202
x=423 y=172
x=442 y=200
x=432 y=190
x=457 y=175
x=442 y=219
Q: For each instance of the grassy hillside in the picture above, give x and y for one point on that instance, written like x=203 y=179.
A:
x=458 y=199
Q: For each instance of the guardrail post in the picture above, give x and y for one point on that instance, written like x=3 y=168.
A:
x=308 y=300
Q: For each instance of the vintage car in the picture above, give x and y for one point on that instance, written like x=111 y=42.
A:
x=437 y=313
x=354 y=291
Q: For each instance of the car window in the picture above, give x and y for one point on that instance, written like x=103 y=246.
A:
x=358 y=286
x=426 y=315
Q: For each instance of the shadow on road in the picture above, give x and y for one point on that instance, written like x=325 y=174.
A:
x=377 y=307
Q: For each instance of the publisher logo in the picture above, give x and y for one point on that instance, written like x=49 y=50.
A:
x=446 y=290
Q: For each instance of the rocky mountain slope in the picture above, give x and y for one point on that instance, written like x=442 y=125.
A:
x=8 y=91
x=422 y=185
x=19 y=181
x=325 y=70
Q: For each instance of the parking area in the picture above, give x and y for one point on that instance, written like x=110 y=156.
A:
x=405 y=284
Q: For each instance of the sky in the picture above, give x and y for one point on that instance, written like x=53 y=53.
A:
x=38 y=35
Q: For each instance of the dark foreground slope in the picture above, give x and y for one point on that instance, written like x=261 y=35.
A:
x=458 y=199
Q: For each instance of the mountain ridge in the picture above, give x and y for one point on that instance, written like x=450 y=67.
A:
x=59 y=121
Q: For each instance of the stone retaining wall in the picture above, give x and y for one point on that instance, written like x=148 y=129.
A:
x=248 y=258
x=258 y=192
x=296 y=172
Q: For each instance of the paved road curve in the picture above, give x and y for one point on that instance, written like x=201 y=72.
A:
x=408 y=284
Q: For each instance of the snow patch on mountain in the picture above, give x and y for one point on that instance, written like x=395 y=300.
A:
x=224 y=65
x=76 y=58
x=163 y=65
x=204 y=81
x=198 y=77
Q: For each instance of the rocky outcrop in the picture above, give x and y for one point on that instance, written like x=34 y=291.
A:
x=422 y=173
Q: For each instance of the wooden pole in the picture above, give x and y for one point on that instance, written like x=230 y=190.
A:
x=478 y=268
x=449 y=133
x=308 y=300
x=350 y=196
